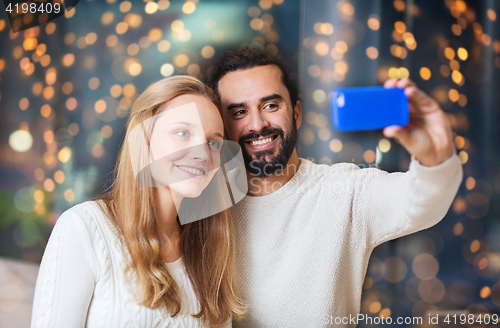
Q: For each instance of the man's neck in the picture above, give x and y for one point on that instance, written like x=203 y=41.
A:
x=261 y=186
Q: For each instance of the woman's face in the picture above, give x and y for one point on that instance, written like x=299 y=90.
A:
x=187 y=138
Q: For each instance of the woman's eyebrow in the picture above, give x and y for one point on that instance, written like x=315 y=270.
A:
x=185 y=123
x=217 y=134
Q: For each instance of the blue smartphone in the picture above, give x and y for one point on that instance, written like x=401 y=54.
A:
x=368 y=108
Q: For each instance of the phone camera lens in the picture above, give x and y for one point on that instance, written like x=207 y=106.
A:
x=340 y=100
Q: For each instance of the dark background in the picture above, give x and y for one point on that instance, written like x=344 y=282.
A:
x=328 y=44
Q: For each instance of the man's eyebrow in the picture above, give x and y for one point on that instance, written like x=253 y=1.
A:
x=271 y=97
x=263 y=99
x=235 y=105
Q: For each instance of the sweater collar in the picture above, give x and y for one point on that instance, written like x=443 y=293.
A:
x=298 y=178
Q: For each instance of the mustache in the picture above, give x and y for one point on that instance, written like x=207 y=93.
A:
x=263 y=133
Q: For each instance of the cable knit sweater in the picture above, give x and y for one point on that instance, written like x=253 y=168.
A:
x=81 y=282
x=303 y=250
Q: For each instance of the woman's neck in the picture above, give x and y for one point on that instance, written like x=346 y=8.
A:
x=166 y=215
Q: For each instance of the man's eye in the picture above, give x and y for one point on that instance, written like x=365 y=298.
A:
x=239 y=112
x=271 y=106
x=182 y=133
x=215 y=144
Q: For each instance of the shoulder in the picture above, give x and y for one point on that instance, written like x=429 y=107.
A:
x=82 y=213
x=312 y=169
x=86 y=219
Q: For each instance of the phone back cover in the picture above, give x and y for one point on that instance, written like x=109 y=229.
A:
x=369 y=108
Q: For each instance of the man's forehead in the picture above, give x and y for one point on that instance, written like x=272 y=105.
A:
x=244 y=83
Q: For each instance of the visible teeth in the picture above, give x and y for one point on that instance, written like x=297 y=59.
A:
x=191 y=170
x=261 y=142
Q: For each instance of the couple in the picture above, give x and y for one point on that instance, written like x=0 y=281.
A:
x=292 y=253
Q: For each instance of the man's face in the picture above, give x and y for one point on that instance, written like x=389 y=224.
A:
x=258 y=114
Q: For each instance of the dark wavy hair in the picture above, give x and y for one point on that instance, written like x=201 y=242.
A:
x=247 y=58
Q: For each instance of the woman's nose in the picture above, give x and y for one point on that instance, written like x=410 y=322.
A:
x=200 y=152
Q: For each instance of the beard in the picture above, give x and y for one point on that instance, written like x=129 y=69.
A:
x=264 y=163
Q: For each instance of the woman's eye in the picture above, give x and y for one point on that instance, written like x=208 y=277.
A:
x=182 y=133
x=215 y=144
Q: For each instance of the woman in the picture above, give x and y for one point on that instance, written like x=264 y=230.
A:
x=125 y=260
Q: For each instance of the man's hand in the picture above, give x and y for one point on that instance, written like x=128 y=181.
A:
x=428 y=135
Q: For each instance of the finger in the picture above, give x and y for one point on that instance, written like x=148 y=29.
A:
x=420 y=99
x=390 y=83
x=392 y=131
x=403 y=83
x=400 y=134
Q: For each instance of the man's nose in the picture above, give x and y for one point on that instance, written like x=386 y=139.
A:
x=257 y=121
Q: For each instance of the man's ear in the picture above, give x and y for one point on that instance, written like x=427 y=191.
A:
x=297 y=113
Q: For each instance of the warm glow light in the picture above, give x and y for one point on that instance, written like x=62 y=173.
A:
x=68 y=59
x=24 y=103
x=375 y=307
x=374 y=22
x=256 y=23
x=462 y=53
x=321 y=48
x=463 y=156
x=319 y=96
x=492 y=15
x=335 y=145
x=485 y=292
x=459 y=142
x=71 y=103
x=167 y=69
x=106 y=131
x=372 y=52
x=369 y=156
x=384 y=145
x=341 y=46
x=46 y=110
x=94 y=83
x=207 y=52
x=20 y=141
x=188 y=7
x=181 y=60
x=64 y=154
x=121 y=27
x=453 y=95
x=458 y=229
x=177 y=25
x=151 y=7
x=163 y=46
x=155 y=34
x=59 y=175
x=73 y=129
x=107 y=18
x=115 y=91
x=400 y=27
x=69 y=195
x=100 y=106
x=449 y=53
x=425 y=73
x=125 y=6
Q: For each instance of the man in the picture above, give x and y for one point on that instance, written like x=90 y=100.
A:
x=306 y=231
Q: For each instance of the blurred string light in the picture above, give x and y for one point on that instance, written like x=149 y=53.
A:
x=67 y=84
x=327 y=47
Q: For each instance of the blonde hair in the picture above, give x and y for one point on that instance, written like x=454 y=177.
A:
x=207 y=245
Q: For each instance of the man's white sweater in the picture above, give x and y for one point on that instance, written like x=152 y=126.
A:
x=303 y=250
